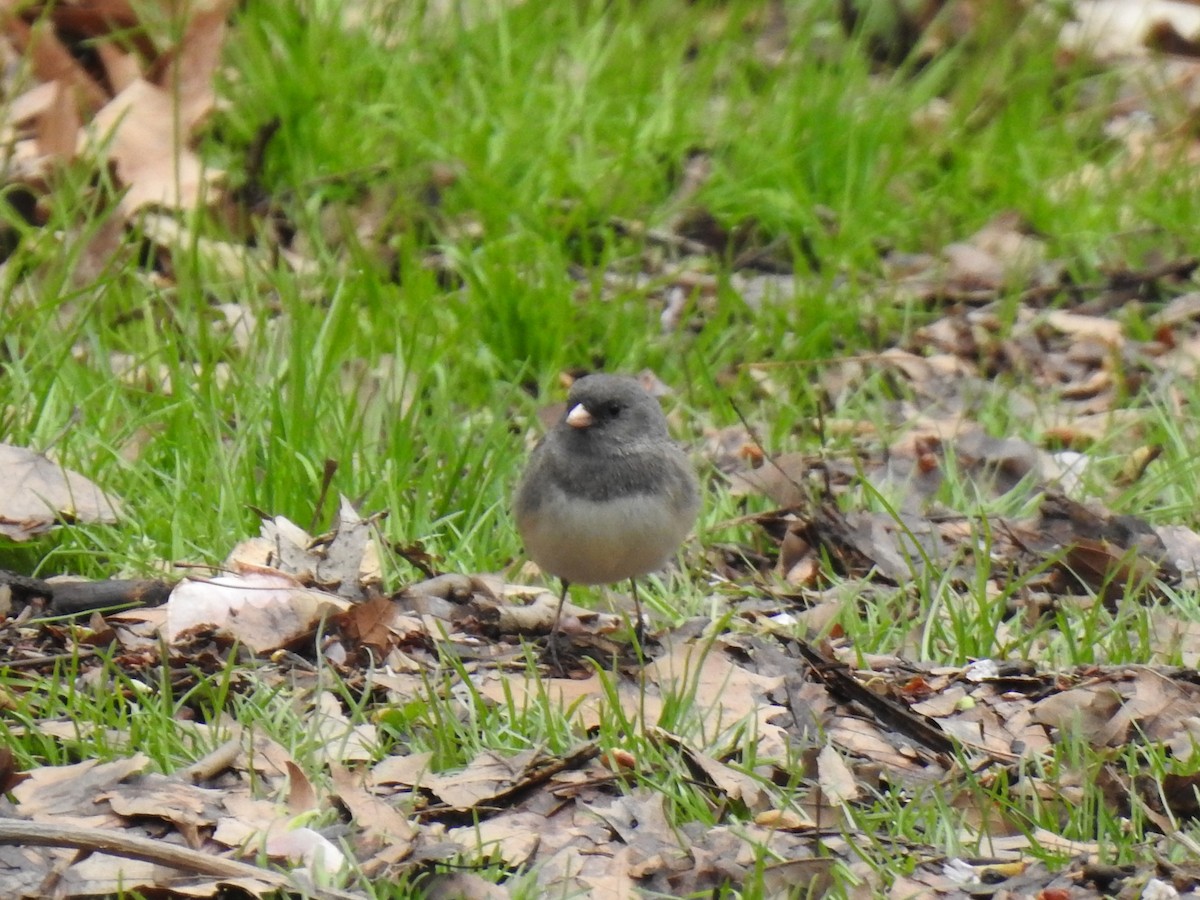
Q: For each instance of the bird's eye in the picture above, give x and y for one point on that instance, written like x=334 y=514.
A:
x=613 y=408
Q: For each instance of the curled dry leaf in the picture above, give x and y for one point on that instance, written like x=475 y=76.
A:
x=489 y=775
x=317 y=854
x=42 y=493
x=264 y=611
x=538 y=617
x=343 y=561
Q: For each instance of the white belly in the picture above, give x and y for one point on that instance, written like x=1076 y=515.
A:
x=586 y=542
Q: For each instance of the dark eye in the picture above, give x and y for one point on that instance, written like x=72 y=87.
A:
x=613 y=409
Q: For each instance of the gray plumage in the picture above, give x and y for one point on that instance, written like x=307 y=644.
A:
x=606 y=495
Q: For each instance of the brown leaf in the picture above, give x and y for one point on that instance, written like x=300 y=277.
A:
x=42 y=493
x=58 y=125
x=837 y=782
x=489 y=774
x=160 y=797
x=1084 y=711
x=189 y=70
x=1108 y=29
x=377 y=624
x=71 y=790
x=265 y=610
x=513 y=838
x=781 y=479
x=10 y=777
x=52 y=61
x=95 y=17
x=1107 y=331
x=411 y=770
x=382 y=822
x=120 y=67
x=340 y=740
x=726 y=695
x=139 y=130
x=728 y=781
x=301 y=797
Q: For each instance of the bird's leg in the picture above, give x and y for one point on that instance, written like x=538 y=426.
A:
x=639 y=629
x=562 y=599
x=552 y=642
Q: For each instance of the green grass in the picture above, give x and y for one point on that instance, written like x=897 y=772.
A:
x=554 y=122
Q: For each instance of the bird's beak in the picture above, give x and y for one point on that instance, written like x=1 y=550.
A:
x=579 y=417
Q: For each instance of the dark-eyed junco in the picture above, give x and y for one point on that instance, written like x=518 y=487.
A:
x=606 y=495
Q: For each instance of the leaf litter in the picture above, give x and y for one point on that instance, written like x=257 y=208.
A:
x=788 y=727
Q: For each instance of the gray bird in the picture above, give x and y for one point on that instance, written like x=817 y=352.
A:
x=606 y=495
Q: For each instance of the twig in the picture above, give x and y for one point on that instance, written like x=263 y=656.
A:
x=34 y=662
x=42 y=834
x=216 y=761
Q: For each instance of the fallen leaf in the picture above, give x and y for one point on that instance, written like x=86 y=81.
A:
x=139 y=130
x=263 y=610
x=42 y=493
x=837 y=782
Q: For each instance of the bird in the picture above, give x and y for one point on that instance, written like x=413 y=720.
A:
x=606 y=494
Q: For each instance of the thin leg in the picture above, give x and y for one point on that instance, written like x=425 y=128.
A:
x=562 y=599
x=639 y=629
x=552 y=641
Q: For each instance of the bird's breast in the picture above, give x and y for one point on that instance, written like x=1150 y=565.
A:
x=600 y=542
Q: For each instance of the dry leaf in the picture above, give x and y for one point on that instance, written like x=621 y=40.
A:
x=41 y=493
x=140 y=131
x=265 y=610
x=837 y=782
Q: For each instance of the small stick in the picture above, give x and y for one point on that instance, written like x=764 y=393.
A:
x=43 y=834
